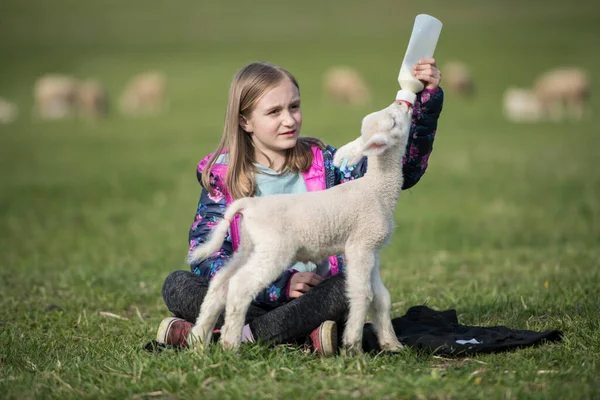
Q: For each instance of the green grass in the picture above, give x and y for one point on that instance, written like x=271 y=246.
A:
x=93 y=216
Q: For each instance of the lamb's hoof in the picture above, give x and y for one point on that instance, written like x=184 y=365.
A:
x=194 y=342
x=351 y=350
x=230 y=345
x=392 y=347
x=194 y=339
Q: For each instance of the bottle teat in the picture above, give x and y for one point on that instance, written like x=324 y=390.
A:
x=406 y=96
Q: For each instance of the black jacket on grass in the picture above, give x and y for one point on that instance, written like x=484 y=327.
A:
x=439 y=332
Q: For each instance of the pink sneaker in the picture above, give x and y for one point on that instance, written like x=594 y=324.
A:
x=323 y=339
x=174 y=331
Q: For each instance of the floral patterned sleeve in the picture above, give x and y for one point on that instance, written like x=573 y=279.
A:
x=426 y=112
x=211 y=209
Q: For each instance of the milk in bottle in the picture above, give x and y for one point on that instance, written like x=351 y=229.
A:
x=423 y=40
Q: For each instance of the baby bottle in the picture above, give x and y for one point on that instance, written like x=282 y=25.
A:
x=423 y=40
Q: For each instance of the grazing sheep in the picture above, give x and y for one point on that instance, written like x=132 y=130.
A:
x=92 y=101
x=346 y=86
x=521 y=105
x=269 y=244
x=458 y=79
x=563 y=92
x=55 y=97
x=8 y=112
x=144 y=94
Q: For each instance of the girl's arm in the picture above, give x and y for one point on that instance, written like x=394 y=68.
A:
x=210 y=211
x=426 y=112
x=208 y=214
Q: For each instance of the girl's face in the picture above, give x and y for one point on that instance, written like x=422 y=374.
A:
x=275 y=122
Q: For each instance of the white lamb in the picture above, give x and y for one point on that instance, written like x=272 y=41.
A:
x=355 y=218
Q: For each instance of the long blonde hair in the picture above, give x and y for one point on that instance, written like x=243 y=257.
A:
x=249 y=84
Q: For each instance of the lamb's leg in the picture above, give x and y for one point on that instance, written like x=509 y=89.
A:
x=214 y=301
x=360 y=263
x=576 y=107
x=556 y=109
x=262 y=268
x=381 y=309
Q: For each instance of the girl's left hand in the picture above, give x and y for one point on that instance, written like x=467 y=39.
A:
x=426 y=71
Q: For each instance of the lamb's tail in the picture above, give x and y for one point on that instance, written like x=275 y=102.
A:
x=217 y=236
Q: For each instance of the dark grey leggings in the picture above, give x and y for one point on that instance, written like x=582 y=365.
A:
x=184 y=291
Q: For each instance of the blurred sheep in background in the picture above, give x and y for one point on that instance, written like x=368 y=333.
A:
x=8 y=112
x=345 y=85
x=563 y=93
x=144 y=94
x=55 y=97
x=557 y=94
x=521 y=105
x=92 y=101
x=457 y=79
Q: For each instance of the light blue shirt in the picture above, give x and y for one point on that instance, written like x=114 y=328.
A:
x=269 y=182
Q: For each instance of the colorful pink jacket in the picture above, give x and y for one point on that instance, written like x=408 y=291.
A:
x=322 y=175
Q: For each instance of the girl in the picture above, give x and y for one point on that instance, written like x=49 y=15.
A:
x=261 y=153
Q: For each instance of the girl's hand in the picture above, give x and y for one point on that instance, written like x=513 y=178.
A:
x=426 y=71
x=302 y=282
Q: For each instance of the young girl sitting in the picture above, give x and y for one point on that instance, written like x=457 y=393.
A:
x=261 y=153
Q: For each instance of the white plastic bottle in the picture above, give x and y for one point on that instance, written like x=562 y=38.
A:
x=424 y=37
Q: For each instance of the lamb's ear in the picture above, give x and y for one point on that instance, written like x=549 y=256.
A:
x=349 y=154
x=376 y=145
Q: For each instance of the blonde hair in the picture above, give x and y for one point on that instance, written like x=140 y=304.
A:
x=249 y=84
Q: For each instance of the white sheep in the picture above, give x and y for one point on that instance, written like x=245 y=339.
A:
x=521 y=105
x=145 y=94
x=8 y=112
x=346 y=86
x=281 y=229
x=458 y=79
x=55 y=97
x=92 y=99
x=563 y=92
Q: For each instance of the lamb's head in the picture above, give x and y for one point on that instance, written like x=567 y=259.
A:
x=385 y=128
x=380 y=131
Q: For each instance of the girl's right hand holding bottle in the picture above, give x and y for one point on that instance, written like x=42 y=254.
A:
x=427 y=72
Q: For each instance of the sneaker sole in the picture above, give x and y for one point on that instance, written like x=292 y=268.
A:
x=328 y=337
x=163 y=329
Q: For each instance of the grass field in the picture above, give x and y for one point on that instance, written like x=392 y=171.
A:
x=504 y=227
